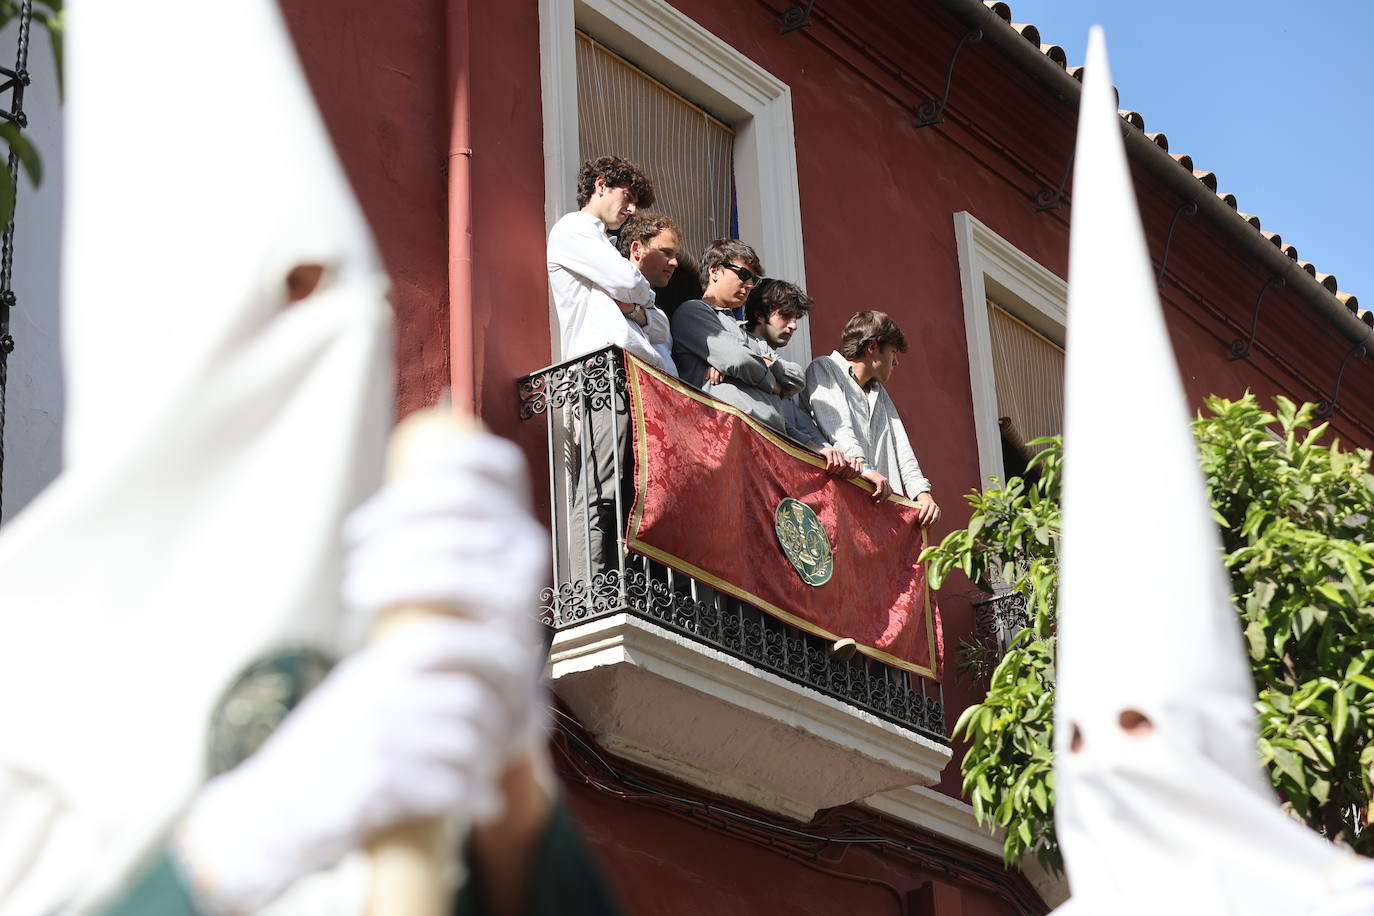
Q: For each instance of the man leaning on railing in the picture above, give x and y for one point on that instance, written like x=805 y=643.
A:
x=845 y=393
x=601 y=299
x=771 y=315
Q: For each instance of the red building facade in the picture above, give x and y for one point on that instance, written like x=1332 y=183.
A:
x=449 y=121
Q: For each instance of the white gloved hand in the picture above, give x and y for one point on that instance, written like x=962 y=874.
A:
x=454 y=531
x=414 y=727
x=1351 y=885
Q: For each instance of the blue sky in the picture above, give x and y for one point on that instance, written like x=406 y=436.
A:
x=1275 y=97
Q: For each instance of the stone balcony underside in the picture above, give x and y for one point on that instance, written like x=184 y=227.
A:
x=669 y=702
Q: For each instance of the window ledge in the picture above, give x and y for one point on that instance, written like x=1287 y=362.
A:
x=714 y=721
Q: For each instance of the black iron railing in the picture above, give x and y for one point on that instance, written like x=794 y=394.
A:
x=584 y=405
x=998 y=619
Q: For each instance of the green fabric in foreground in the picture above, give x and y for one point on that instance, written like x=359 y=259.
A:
x=159 y=891
x=567 y=881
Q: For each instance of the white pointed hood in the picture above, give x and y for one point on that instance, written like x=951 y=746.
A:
x=1176 y=815
x=216 y=435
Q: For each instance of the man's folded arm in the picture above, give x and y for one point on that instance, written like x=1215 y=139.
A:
x=578 y=247
x=790 y=376
x=657 y=328
x=697 y=330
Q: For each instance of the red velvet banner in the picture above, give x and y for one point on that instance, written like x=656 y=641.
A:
x=708 y=481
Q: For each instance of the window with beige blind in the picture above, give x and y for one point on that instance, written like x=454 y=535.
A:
x=1028 y=369
x=689 y=154
x=1015 y=311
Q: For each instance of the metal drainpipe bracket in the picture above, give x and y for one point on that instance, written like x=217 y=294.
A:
x=796 y=17
x=1325 y=409
x=930 y=112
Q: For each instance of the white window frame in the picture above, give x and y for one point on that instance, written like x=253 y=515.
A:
x=679 y=53
x=990 y=267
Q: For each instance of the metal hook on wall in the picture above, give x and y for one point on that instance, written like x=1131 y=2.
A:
x=1240 y=349
x=1048 y=198
x=930 y=112
x=796 y=17
x=1187 y=208
x=1326 y=408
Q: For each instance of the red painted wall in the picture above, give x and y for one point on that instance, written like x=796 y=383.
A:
x=379 y=73
x=877 y=197
x=674 y=857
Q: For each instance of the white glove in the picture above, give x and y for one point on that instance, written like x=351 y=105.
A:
x=1352 y=889
x=413 y=727
x=454 y=531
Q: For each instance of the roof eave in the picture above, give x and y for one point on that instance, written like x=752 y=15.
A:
x=1033 y=62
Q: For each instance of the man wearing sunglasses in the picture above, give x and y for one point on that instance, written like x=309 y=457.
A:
x=714 y=353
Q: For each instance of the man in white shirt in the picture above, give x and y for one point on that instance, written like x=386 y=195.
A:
x=845 y=394
x=651 y=241
x=602 y=299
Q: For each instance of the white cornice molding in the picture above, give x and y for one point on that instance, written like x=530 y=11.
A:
x=939 y=814
x=685 y=49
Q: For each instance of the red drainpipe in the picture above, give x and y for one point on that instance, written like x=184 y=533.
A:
x=462 y=364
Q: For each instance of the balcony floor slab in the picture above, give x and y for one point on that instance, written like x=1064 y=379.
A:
x=670 y=703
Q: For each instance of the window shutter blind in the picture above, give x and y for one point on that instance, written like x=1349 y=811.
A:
x=1029 y=370
x=622 y=111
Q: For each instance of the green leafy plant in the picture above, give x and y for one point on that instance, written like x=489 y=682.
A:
x=1293 y=512
x=49 y=15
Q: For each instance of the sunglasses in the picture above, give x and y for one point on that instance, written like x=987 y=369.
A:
x=745 y=274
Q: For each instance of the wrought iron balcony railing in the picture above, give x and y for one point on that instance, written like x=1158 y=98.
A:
x=583 y=403
x=998 y=619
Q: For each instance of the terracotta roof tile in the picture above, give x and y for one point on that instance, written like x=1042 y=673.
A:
x=1273 y=237
x=1056 y=54
x=1351 y=302
x=1327 y=280
x=1307 y=266
x=1002 y=10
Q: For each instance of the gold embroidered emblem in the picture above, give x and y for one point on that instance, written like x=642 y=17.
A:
x=804 y=541
x=258 y=700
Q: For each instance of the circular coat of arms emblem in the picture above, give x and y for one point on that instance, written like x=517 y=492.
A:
x=258 y=700
x=804 y=541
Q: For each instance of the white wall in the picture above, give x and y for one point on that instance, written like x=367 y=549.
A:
x=33 y=396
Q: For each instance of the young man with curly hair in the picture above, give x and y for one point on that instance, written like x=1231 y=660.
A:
x=771 y=315
x=852 y=408
x=601 y=298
